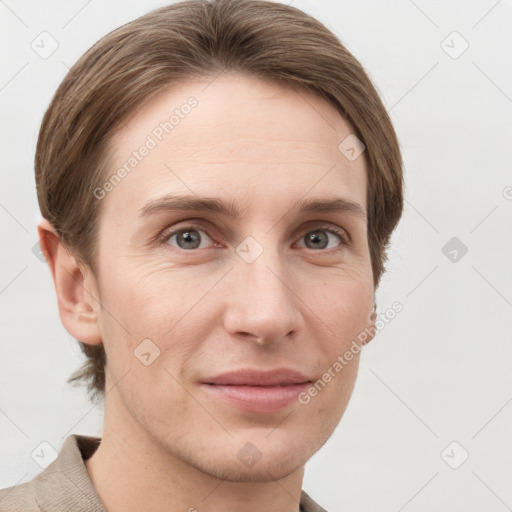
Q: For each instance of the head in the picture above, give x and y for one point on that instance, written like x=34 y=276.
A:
x=259 y=115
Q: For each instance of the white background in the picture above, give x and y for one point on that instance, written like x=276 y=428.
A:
x=439 y=372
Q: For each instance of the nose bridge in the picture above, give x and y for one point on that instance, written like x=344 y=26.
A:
x=262 y=303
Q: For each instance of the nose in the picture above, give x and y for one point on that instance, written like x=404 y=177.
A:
x=261 y=306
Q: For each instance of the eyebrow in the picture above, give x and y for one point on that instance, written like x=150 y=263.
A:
x=169 y=203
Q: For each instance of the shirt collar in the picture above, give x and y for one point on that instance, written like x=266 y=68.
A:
x=66 y=482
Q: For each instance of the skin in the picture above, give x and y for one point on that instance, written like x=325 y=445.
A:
x=168 y=445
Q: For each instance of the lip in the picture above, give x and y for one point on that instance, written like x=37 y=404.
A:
x=257 y=391
x=250 y=377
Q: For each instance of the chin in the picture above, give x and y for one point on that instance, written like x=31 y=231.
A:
x=267 y=469
x=269 y=456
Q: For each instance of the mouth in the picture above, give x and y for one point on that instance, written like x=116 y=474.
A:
x=256 y=391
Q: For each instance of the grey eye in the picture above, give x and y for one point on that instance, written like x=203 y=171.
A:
x=319 y=238
x=316 y=240
x=189 y=238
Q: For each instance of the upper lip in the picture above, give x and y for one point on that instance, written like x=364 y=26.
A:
x=249 y=377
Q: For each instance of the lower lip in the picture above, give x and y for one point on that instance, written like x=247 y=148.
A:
x=257 y=398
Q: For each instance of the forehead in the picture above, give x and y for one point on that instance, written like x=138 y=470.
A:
x=232 y=136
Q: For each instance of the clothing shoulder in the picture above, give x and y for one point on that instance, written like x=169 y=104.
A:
x=18 y=498
x=308 y=505
x=63 y=486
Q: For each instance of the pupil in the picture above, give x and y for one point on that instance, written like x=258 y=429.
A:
x=314 y=237
x=188 y=238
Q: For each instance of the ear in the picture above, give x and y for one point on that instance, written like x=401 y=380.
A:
x=371 y=329
x=78 y=307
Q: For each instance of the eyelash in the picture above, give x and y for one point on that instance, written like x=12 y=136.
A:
x=164 y=236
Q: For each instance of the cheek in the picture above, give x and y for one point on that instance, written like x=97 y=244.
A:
x=144 y=298
x=345 y=307
x=137 y=308
x=344 y=304
x=155 y=302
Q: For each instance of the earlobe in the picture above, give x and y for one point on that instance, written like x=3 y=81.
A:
x=78 y=307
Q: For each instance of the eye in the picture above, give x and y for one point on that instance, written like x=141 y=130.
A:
x=317 y=238
x=188 y=238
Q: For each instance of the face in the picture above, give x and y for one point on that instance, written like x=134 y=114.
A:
x=188 y=294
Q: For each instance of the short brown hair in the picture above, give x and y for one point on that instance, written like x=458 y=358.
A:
x=200 y=38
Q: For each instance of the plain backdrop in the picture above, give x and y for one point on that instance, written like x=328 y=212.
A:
x=428 y=426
